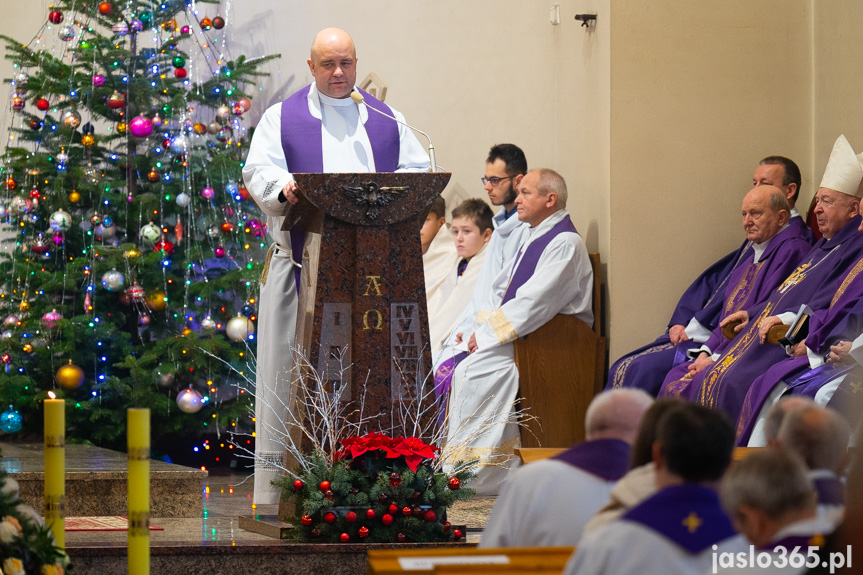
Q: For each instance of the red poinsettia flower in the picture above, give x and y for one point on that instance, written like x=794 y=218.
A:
x=414 y=451
x=357 y=446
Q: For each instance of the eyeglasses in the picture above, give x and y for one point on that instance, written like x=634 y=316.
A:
x=494 y=180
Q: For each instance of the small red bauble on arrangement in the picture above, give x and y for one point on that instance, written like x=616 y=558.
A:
x=454 y=483
x=447 y=527
x=370 y=514
x=456 y=534
x=387 y=519
x=393 y=509
x=344 y=537
x=324 y=486
x=350 y=517
x=401 y=538
x=306 y=520
x=407 y=510
x=363 y=532
x=329 y=517
x=430 y=516
x=298 y=485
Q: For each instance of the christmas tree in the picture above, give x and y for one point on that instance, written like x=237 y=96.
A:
x=132 y=248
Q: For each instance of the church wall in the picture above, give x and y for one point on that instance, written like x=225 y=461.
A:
x=700 y=91
x=838 y=84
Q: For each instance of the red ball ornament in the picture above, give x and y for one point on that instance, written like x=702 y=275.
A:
x=456 y=534
x=306 y=520
x=180 y=73
x=298 y=485
x=244 y=194
x=34 y=193
x=363 y=532
x=153 y=176
x=55 y=16
x=406 y=510
x=430 y=516
x=218 y=22
x=329 y=517
x=370 y=514
x=227 y=227
x=383 y=497
x=393 y=508
x=454 y=483
x=447 y=526
x=401 y=538
x=350 y=517
x=344 y=537
x=164 y=246
x=416 y=511
x=105 y=8
x=329 y=494
x=6 y=358
x=395 y=478
x=387 y=519
x=324 y=486
x=116 y=100
x=42 y=104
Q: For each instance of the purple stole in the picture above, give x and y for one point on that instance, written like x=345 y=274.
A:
x=688 y=515
x=527 y=264
x=605 y=458
x=831 y=491
x=301 y=143
x=792 y=541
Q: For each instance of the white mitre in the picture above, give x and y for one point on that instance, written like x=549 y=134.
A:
x=844 y=171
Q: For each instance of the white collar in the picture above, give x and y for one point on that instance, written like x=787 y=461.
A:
x=315 y=98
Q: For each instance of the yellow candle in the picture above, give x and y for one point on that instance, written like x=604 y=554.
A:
x=138 y=442
x=55 y=467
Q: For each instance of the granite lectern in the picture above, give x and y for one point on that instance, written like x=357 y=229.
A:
x=362 y=301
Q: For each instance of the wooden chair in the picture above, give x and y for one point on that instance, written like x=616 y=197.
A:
x=459 y=559
x=560 y=368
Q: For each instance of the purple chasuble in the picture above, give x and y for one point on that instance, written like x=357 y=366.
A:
x=831 y=490
x=301 y=143
x=527 y=264
x=724 y=385
x=605 y=458
x=688 y=515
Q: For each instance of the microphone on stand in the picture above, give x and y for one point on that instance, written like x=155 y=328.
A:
x=359 y=99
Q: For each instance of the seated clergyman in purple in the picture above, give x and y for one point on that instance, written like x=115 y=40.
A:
x=681 y=526
x=548 y=502
x=698 y=312
x=725 y=382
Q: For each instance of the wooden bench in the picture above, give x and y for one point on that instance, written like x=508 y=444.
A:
x=561 y=368
x=464 y=559
x=531 y=454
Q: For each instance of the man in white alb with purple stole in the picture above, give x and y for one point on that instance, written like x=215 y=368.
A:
x=318 y=129
x=550 y=275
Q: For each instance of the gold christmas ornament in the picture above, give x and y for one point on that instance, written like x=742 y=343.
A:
x=121 y=127
x=74 y=197
x=69 y=376
x=156 y=300
x=88 y=140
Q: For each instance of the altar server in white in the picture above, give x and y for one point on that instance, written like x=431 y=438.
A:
x=551 y=274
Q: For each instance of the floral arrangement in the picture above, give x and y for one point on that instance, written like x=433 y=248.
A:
x=375 y=489
x=26 y=546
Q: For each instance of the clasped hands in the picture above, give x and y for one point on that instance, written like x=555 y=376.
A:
x=471 y=343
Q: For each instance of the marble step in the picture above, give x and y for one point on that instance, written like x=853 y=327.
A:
x=96 y=481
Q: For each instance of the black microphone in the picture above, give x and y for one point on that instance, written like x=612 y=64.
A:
x=359 y=99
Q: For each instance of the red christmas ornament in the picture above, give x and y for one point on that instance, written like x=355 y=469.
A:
x=42 y=104
x=406 y=510
x=153 y=176
x=34 y=193
x=370 y=514
x=329 y=517
x=395 y=478
x=393 y=508
x=55 y=16
x=116 y=100
x=298 y=485
x=164 y=246
x=387 y=519
x=11 y=183
x=363 y=532
x=324 y=486
x=105 y=8
x=416 y=511
x=218 y=22
x=344 y=537
x=6 y=358
x=447 y=526
x=180 y=73
x=227 y=228
x=456 y=534
x=415 y=495
x=244 y=194
x=383 y=497
x=306 y=520
x=454 y=483
x=350 y=517
x=430 y=516
x=329 y=494
x=401 y=538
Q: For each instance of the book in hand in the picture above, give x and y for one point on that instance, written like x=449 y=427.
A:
x=799 y=328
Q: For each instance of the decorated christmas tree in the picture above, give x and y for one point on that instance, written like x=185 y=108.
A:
x=132 y=249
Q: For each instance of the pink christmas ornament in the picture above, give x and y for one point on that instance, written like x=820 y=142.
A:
x=208 y=193
x=141 y=126
x=219 y=251
x=98 y=80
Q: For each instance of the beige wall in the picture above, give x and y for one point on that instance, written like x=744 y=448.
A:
x=700 y=91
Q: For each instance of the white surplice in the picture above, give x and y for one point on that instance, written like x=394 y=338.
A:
x=346 y=149
x=453 y=294
x=439 y=260
x=485 y=384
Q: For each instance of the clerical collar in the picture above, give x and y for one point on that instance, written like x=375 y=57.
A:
x=328 y=101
